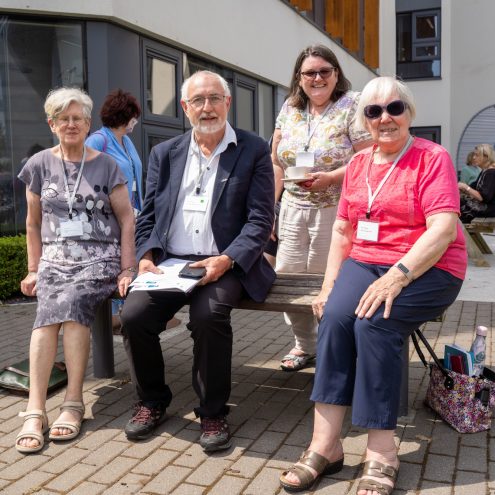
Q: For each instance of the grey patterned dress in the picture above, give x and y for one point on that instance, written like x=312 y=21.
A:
x=75 y=274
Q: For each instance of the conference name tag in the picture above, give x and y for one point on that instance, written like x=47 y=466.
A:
x=195 y=203
x=305 y=159
x=368 y=230
x=71 y=228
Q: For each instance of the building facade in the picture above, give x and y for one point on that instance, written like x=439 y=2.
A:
x=149 y=48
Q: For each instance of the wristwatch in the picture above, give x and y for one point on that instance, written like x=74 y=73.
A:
x=405 y=271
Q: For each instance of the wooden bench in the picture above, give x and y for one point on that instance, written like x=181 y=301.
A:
x=290 y=292
x=474 y=230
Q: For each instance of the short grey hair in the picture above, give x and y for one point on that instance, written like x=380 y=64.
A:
x=185 y=85
x=380 y=89
x=58 y=100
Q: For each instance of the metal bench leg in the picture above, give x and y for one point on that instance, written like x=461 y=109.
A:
x=404 y=389
x=102 y=342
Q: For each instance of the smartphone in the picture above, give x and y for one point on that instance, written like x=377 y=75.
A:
x=188 y=272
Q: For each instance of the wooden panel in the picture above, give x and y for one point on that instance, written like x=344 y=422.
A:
x=290 y=292
x=371 y=33
x=334 y=19
x=351 y=25
x=306 y=5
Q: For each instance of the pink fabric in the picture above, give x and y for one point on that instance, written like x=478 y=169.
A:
x=423 y=183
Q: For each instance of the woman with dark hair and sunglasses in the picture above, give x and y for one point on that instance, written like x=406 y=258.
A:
x=315 y=128
x=397 y=259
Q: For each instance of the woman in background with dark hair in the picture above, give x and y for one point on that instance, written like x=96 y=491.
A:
x=119 y=114
x=315 y=128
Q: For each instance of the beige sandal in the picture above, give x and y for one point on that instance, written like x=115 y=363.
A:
x=377 y=470
x=38 y=414
x=73 y=426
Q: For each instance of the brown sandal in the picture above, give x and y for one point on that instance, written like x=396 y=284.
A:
x=377 y=470
x=306 y=478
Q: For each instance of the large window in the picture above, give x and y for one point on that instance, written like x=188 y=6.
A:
x=418 y=44
x=34 y=58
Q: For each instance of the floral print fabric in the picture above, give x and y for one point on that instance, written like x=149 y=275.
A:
x=460 y=407
x=75 y=274
x=332 y=143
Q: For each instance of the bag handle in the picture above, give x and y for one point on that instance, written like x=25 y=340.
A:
x=449 y=381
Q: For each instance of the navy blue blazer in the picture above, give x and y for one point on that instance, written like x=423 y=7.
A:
x=242 y=208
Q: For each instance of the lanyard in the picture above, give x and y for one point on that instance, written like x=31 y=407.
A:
x=71 y=197
x=202 y=170
x=308 y=121
x=372 y=196
x=135 y=200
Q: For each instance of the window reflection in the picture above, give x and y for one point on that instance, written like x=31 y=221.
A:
x=161 y=87
x=265 y=110
x=34 y=58
x=245 y=108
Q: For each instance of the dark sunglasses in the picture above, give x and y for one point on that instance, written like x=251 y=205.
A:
x=324 y=73
x=394 y=108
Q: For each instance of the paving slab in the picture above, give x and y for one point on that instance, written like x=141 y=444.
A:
x=271 y=418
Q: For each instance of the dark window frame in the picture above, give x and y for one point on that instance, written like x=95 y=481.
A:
x=416 y=42
x=251 y=85
x=435 y=130
x=169 y=55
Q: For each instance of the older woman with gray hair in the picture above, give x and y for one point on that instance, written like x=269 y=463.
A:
x=397 y=259
x=80 y=244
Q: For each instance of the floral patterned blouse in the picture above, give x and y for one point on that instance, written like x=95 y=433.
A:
x=332 y=143
x=43 y=174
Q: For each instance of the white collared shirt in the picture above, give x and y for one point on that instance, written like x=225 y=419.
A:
x=190 y=231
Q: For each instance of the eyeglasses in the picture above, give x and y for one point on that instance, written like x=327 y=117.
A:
x=200 y=101
x=65 y=121
x=323 y=73
x=394 y=108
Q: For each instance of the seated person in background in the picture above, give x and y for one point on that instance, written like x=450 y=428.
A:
x=478 y=199
x=469 y=172
x=209 y=199
x=397 y=259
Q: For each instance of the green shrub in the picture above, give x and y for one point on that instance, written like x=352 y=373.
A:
x=13 y=265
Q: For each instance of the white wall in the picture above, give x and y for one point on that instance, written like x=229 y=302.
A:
x=473 y=61
x=261 y=37
x=468 y=66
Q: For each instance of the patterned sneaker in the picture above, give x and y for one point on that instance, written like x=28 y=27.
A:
x=215 y=434
x=144 y=421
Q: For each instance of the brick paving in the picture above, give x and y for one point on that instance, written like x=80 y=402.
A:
x=271 y=417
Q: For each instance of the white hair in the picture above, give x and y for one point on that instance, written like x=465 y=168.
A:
x=379 y=89
x=58 y=100
x=185 y=85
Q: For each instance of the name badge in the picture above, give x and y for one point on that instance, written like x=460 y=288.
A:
x=305 y=159
x=368 y=230
x=71 y=228
x=195 y=202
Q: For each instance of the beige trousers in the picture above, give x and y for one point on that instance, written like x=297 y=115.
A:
x=304 y=236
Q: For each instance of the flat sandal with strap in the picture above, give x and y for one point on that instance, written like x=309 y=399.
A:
x=73 y=426
x=377 y=470
x=32 y=414
x=306 y=477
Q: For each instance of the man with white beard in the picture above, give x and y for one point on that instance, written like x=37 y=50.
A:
x=209 y=199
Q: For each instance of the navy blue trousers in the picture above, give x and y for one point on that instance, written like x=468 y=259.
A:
x=359 y=361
